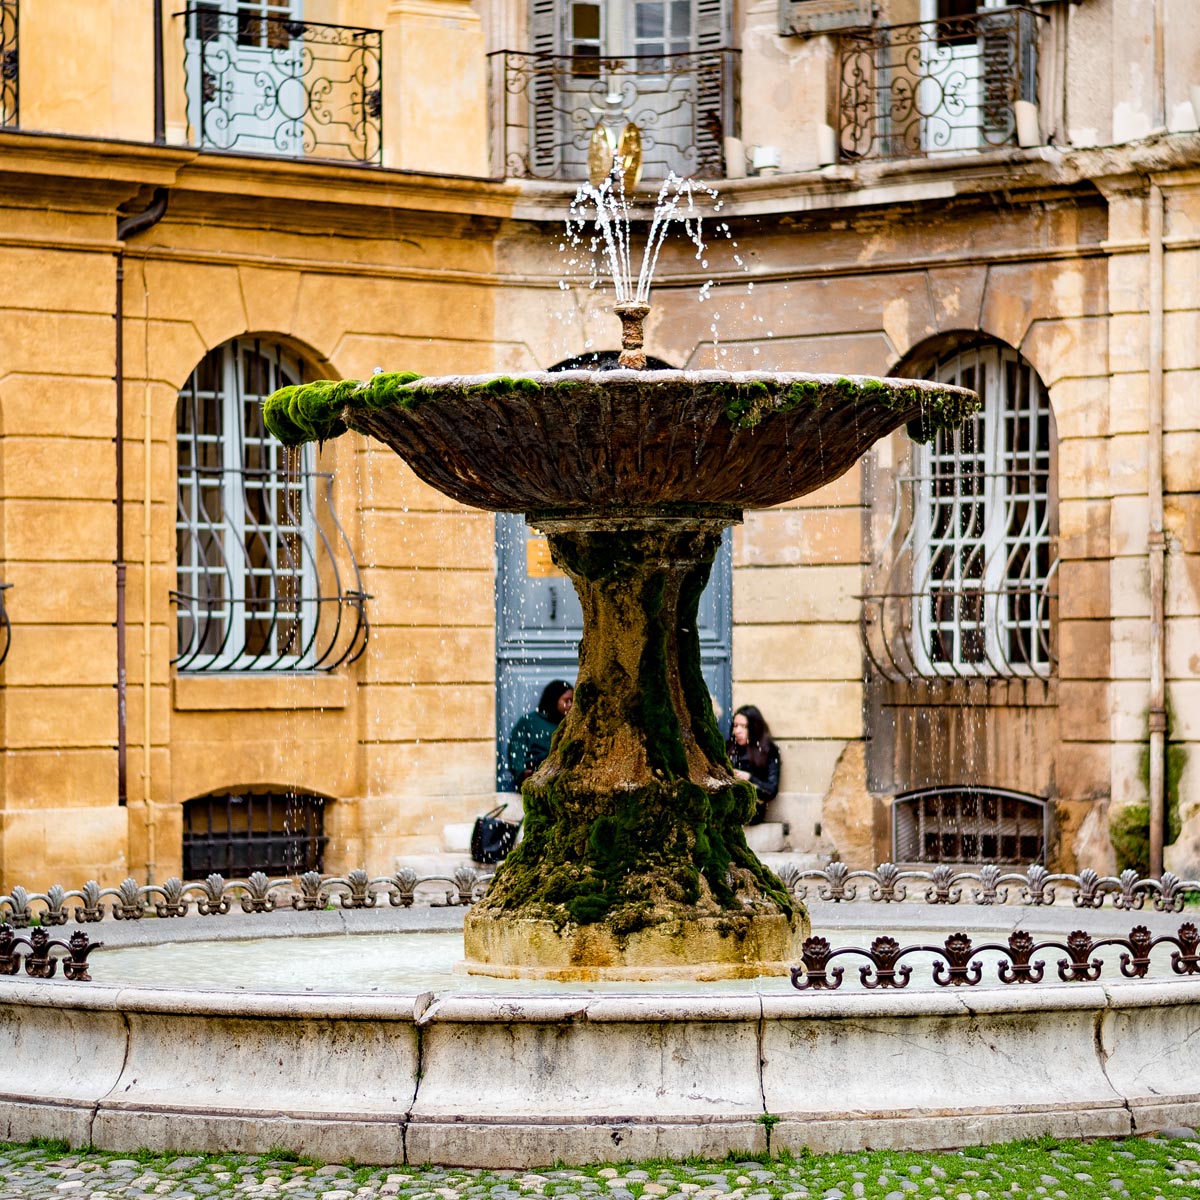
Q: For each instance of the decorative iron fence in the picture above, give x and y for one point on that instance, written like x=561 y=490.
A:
x=959 y=962
x=550 y=105
x=275 y=602
x=271 y=85
x=943 y=884
x=37 y=951
x=258 y=893
x=5 y=624
x=836 y=883
x=936 y=87
x=10 y=65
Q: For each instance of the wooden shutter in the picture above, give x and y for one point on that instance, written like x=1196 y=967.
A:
x=715 y=84
x=544 y=21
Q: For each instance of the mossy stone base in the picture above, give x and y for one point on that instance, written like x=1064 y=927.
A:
x=699 y=948
x=634 y=862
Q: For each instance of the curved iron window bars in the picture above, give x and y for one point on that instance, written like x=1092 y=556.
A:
x=10 y=110
x=5 y=624
x=965 y=824
x=266 y=577
x=238 y=833
x=964 y=585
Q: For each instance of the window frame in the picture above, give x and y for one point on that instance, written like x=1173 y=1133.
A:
x=988 y=552
x=227 y=554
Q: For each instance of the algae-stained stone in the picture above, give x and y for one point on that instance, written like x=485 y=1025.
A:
x=634 y=861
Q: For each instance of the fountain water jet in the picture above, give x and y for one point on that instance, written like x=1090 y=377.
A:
x=634 y=863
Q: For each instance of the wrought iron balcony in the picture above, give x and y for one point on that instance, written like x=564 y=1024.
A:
x=936 y=87
x=267 y=85
x=9 y=65
x=549 y=106
x=261 y=587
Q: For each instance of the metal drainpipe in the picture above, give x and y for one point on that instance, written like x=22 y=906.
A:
x=127 y=227
x=1157 y=545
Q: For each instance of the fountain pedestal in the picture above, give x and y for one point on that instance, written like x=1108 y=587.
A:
x=634 y=863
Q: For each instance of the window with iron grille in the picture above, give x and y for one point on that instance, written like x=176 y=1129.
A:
x=969 y=825
x=965 y=583
x=259 y=586
x=983 y=540
x=237 y=833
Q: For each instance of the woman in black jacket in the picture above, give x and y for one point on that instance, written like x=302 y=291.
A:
x=754 y=756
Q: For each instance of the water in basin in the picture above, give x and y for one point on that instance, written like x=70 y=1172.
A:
x=404 y=963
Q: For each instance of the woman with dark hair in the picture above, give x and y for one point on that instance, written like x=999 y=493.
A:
x=530 y=741
x=754 y=756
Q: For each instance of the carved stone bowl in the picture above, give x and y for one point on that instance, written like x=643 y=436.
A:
x=619 y=441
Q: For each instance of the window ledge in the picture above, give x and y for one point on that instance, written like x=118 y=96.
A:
x=251 y=691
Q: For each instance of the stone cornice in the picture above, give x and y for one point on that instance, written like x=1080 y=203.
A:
x=289 y=193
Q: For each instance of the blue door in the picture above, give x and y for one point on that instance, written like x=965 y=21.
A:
x=539 y=622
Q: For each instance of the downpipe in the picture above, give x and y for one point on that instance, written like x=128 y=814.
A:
x=1156 y=541
x=127 y=227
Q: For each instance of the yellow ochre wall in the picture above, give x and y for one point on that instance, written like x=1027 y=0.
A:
x=855 y=267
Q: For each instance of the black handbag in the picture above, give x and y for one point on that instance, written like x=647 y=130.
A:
x=493 y=837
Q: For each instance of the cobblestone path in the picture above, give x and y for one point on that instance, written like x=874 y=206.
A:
x=1156 y=1168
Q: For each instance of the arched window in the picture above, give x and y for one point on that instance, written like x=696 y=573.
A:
x=235 y=833
x=969 y=825
x=259 y=584
x=965 y=586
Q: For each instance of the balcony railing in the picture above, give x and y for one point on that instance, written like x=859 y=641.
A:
x=266 y=85
x=684 y=106
x=937 y=87
x=9 y=66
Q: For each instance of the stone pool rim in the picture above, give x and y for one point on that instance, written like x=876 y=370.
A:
x=522 y=1081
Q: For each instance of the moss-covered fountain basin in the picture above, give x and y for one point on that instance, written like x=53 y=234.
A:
x=634 y=864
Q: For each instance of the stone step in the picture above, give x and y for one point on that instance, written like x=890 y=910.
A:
x=767 y=837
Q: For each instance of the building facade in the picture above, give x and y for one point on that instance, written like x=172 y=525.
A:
x=221 y=657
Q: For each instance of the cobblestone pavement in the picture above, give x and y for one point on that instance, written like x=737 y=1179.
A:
x=1158 y=1168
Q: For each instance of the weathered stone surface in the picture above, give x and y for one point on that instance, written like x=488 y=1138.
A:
x=511 y=1081
x=634 y=853
x=580 y=441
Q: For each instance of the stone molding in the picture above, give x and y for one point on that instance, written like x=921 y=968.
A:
x=472 y=1079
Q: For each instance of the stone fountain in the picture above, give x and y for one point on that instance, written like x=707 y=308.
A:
x=634 y=863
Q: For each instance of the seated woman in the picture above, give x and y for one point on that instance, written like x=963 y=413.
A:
x=755 y=757
x=530 y=741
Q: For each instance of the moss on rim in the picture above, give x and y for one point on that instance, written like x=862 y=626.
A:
x=661 y=847
x=320 y=411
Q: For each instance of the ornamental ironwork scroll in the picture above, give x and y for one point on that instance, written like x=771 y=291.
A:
x=550 y=106
x=958 y=962
x=836 y=883
x=41 y=955
x=271 y=85
x=216 y=896
x=943 y=884
x=10 y=108
x=936 y=87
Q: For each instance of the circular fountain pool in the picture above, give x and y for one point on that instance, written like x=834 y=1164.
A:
x=394 y=1057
